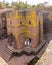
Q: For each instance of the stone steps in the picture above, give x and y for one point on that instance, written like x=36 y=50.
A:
x=28 y=50
x=4 y=52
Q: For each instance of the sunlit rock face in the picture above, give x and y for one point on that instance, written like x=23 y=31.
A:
x=2 y=62
x=46 y=58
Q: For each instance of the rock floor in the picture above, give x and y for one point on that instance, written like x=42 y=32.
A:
x=24 y=59
x=46 y=58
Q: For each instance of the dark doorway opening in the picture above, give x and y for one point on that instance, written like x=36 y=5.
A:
x=30 y=40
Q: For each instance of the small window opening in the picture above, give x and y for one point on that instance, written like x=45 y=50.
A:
x=30 y=40
x=21 y=22
x=29 y=22
x=4 y=27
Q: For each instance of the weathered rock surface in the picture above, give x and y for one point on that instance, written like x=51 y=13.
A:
x=46 y=58
x=2 y=61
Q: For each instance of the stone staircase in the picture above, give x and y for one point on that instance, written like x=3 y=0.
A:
x=4 y=52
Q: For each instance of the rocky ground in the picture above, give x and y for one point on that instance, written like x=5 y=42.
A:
x=46 y=58
x=22 y=60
